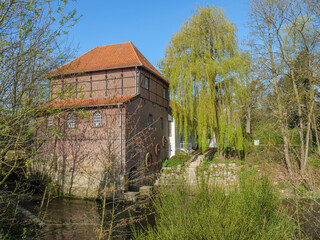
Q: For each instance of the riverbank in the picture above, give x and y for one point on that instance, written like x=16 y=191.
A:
x=251 y=209
x=81 y=219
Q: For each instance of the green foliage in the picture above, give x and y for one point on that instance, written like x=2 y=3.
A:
x=208 y=78
x=249 y=211
x=165 y=163
x=207 y=161
x=314 y=160
x=176 y=160
x=31 y=46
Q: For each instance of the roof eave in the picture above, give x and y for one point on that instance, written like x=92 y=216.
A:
x=91 y=106
x=101 y=105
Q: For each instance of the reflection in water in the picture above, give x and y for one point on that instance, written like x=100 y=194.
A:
x=80 y=219
x=67 y=219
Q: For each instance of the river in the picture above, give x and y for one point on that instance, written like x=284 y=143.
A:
x=67 y=219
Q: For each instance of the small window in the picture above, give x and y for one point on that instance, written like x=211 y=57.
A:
x=71 y=121
x=161 y=123
x=49 y=122
x=97 y=119
x=170 y=129
x=146 y=83
x=164 y=93
x=150 y=121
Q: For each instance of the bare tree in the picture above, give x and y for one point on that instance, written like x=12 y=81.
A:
x=262 y=14
x=287 y=37
x=31 y=45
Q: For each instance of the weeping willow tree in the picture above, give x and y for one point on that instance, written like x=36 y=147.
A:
x=208 y=79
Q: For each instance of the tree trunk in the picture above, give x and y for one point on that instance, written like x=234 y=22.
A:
x=304 y=164
x=283 y=125
x=248 y=123
x=300 y=117
x=316 y=132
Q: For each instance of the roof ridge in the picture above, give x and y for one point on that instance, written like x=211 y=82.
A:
x=110 y=56
x=112 y=44
x=135 y=53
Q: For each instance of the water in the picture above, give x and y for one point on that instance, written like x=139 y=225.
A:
x=306 y=215
x=80 y=219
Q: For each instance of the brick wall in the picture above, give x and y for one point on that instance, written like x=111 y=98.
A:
x=116 y=82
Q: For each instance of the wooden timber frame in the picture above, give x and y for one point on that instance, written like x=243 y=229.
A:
x=136 y=87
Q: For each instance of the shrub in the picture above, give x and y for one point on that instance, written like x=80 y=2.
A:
x=176 y=160
x=248 y=211
x=165 y=163
x=314 y=161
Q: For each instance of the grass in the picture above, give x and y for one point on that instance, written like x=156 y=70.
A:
x=248 y=211
x=314 y=161
x=209 y=161
x=176 y=160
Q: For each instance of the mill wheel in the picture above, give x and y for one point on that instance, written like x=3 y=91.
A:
x=148 y=159
x=157 y=150
x=164 y=141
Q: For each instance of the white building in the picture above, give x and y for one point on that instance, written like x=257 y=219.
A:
x=177 y=143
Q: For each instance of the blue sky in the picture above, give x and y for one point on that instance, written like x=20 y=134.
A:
x=148 y=24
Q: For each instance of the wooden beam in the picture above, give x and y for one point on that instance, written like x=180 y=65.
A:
x=76 y=87
x=122 y=81
x=106 y=79
x=135 y=79
x=91 y=83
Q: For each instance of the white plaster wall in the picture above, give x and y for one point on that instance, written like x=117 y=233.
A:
x=172 y=137
x=175 y=139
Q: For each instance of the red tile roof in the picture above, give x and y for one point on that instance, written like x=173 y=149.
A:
x=106 y=57
x=90 y=102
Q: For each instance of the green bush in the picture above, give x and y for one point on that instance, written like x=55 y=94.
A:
x=206 y=162
x=248 y=211
x=176 y=160
x=165 y=163
x=314 y=161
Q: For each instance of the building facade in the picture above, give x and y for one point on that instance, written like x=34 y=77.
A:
x=107 y=123
x=176 y=139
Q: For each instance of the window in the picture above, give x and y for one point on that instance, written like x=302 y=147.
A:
x=164 y=93
x=170 y=128
x=161 y=123
x=49 y=122
x=150 y=122
x=97 y=119
x=71 y=120
x=146 y=83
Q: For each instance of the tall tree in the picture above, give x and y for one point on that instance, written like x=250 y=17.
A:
x=32 y=43
x=208 y=76
x=286 y=35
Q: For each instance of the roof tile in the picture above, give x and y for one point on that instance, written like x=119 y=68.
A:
x=106 y=57
x=89 y=102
